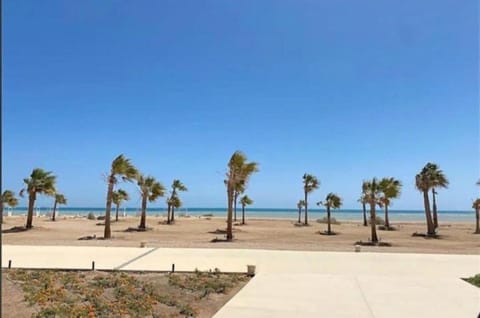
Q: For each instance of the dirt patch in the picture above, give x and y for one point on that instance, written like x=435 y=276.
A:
x=46 y=293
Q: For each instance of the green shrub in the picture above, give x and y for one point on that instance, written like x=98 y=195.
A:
x=475 y=280
x=91 y=216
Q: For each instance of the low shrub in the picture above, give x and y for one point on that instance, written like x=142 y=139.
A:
x=324 y=220
x=91 y=216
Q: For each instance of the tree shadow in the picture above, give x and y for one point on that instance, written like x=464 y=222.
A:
x=137 y=229
x=15 y=229
x=428 y=236
x=370 y=243
x=327 y=233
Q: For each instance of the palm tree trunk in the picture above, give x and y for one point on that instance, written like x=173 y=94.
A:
x=306 y=208
x=428 y=216
x=107 y=233
x=243 y=214
x=143 y=217
x=173 y=214
x=168 y=213
x=229 y=213
x=235 y=197
x=299 y=215
x=373 y=223
x=54 y=209
x=1 y=211
x=387 y=222
x=116 y=213
x=434 y=209
x=329 y=230
x=364 y=214
x=477 y=216
x=31 y=204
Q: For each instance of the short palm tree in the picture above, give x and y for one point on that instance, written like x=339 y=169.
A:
x=363 y=201
x=439 y=180
x=372 y=192
x=239 y=189
x=244 y=201
x=476 y=206
x=150 y=190
x=177 y=185
x=332 y=201
x=39 y=182
x=310 y=183
x=8 y=198
x=390 y=189
x=123 y=169
x=239 y=172
x=59 y=199
x=300 y=205
x=117 y=198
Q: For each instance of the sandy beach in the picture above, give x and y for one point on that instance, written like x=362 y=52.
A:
x=187 y=232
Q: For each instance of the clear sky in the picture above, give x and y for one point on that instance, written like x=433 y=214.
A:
x=345 y=90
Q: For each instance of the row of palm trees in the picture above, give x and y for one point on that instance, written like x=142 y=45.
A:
x=122 y=169
x=374 y=192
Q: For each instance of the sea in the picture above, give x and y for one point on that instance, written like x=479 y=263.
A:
x=340 y=215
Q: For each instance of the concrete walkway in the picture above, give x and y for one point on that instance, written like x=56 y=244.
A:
x=293 y=283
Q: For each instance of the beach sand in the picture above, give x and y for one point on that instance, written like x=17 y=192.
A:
x=279 y=234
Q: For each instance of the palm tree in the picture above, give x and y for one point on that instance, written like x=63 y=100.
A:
x=429 y=177
x=150 y=190
x=476 y=206
x=177 y=185
x=300 y=205
x=8 y=198
x=39 y=182
x=245 y=200
x=239 y=189
x=331 y=201
x=310 y=183
x=59 y=199
x=117 y=198
x=390 y=188
x=364 y=208
x=439 y=180
x=121 y=168
x=239 y=172
x=372 y=192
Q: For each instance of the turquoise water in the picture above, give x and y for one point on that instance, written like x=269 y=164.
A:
x=345 y=215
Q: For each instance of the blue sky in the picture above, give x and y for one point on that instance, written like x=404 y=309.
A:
x=345 y=90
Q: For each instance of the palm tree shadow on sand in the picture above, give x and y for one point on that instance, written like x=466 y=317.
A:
x=15 y=229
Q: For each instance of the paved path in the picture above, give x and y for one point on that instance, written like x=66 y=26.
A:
x=293 y=283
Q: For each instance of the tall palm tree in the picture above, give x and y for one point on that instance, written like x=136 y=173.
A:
x=117 y=198
x=476 y=206
x=123 y=169
x=372 y=192
x=59 y=199
x=39 y=182
x=363 y=200
x=300 y=205
x=310 y=183
x=177 y=185
x=239 y=172
x=429 y=178
x=390 y=189
x=8 y=198
x=150 y=190
x=244 y=201
x=331 y=201
x=438 y=180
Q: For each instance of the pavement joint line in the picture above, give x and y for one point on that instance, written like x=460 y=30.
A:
x=364 y=298
x=135 y=258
